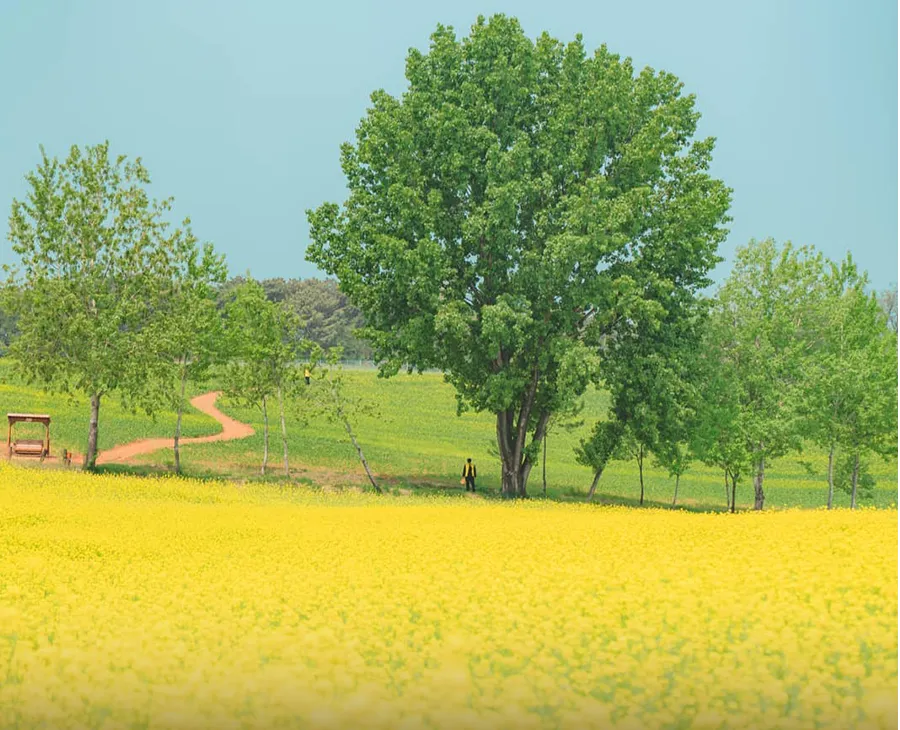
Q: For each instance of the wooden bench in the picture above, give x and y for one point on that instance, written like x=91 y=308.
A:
x=28 y=446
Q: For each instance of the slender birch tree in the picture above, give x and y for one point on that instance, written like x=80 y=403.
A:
x=263 y=342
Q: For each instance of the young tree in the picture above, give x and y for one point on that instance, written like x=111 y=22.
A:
x=506 y=207
x=190 y=332
x=716 y=437
x=599 y=448
x=649 y=368
x=335 y=402
x=675 y=457
x=568 y=420
x=94 y=255
x=852 y=365
x=852 y=476
x=763 y=327
x=851 y=381
x=635 y=444
x=262 y=337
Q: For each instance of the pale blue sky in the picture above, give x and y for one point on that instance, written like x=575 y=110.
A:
x=238 y=108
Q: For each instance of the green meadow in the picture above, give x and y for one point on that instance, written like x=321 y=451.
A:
x=414 y=441
x=417 y=442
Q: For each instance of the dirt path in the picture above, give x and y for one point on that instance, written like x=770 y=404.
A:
x=205 y=403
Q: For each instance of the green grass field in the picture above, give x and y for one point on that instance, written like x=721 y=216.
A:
x=417 y=441
x=70 y=416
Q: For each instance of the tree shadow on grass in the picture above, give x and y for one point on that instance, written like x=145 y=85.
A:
x=199 y=474
x=426 y=485
x=618 y=500
x=153 y=470
x=431 y=485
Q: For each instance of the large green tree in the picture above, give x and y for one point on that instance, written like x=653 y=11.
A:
x=507 y=207
x=94 y=254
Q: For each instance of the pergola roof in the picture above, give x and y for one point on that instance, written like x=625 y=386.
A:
x=28 y=417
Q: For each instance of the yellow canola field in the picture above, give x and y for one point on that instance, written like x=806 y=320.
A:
x=162 y=603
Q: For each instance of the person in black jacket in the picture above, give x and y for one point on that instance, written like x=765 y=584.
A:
x=469 y=473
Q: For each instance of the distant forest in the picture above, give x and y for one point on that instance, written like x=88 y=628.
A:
x=327 y=316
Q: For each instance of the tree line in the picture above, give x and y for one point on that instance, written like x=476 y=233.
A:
x=792 y=351
x=110 y=299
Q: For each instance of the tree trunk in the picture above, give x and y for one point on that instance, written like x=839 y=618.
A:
x=640 y=461
x=831 y=477
x=597 y=476
x=516 y=465
x=854 y=480
x=727 y=502
x=90 y=456
x=265 y=437
x=178 y=420
x=525 y=470
x=544 y=464
x=759 y=497
x=675 y=497
x=287 y=469
x=509 y=472
x=733 y=493
x=362 y=457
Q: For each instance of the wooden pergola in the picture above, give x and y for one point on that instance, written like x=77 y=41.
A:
x=28 y=447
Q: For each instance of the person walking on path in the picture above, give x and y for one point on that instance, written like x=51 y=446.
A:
x=469 y=474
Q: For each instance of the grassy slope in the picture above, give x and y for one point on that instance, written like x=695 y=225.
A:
x=69 y=424
x=418 y=440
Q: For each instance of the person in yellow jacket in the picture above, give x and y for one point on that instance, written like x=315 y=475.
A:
x=469 y=473
x=306 y=375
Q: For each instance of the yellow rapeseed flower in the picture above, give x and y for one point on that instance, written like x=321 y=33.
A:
x=171 y=603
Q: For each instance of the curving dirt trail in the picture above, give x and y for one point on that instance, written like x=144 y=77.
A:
x=205 y=403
